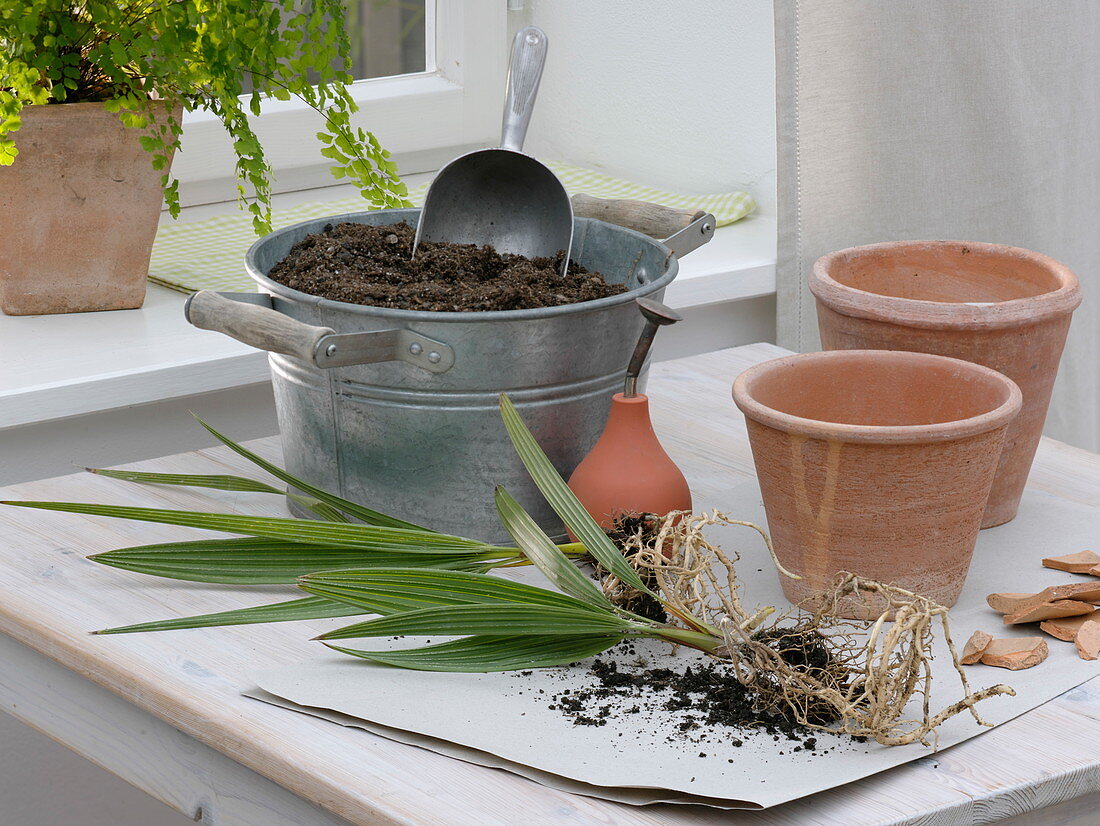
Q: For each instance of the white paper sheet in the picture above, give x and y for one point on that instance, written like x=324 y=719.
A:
x=501 y=720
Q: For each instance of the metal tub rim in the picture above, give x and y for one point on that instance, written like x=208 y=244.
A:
x=283 y=291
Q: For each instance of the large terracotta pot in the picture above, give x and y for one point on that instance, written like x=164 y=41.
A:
x=1004 y=307
x=79 y=210
x=877 y=463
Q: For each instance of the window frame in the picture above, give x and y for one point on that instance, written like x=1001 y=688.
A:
x=424 y=119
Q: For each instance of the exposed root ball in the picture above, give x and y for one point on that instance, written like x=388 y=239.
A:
x=835 y=674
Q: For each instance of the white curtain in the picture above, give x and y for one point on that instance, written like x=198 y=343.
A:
x=962 y=119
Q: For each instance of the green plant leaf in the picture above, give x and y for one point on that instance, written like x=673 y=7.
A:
x=490 y=619
x=216 y=482
x=295 y=609
x=544 y=554
x=564 y=502
x=324 y=510
x=342 y=535
x=385 y=591
x=371 y=517
x=263 y=561
x=222 y=482
x=483 y=654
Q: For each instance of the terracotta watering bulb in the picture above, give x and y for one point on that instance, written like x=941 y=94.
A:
x=628 y=471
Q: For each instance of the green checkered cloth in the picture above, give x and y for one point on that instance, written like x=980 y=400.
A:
x=209 y=255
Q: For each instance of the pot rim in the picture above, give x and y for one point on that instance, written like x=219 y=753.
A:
x=281 y=290
x=1000 y=416
x=912 y=312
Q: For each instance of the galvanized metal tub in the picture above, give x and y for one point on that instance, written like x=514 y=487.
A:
x=419 y=435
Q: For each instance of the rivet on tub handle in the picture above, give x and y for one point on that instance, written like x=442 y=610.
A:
x=250 y=319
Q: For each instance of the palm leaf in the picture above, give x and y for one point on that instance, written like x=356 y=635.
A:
x=214 y=481
x=564 y=502
x=371 y=517
x=421 y=588
x=324 y=510
x=221 y=482
x=496 y=653
x=493 y=619
x=544 y=554
x=295 y=609
x=262 y=561
x=343 y=535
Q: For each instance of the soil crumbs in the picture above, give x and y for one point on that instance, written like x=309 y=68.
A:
x=701 y=703
x=362 y=264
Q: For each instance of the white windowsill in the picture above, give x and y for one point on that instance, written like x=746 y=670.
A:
x=72 y=365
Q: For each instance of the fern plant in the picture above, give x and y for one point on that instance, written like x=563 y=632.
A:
x=144 y=59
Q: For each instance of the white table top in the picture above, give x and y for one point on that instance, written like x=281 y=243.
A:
x=50 y=597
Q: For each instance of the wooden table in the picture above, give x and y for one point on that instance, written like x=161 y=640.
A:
x=164 y=711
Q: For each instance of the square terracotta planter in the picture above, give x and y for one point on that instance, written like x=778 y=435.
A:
x=79 y=208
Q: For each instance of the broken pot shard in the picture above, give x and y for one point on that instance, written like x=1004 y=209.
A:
x=1015 y=653
x=1087 y=640
x=1011 y=603
x=1007 y=603
x=1079 y=563
x=972 y=651
x=1065 y=628
x=1049 y=610
x=1083 y=591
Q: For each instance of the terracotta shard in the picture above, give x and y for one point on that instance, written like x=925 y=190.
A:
x=1079 y=563
x=1083 y=591
x=1007 y=603
x=1065 y=628
x=1087 y=640
x=1011 y=603
x=1015 y=653
x=1049 y=610
x=972 y=651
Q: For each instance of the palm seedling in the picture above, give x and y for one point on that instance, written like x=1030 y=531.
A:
x=415 y=582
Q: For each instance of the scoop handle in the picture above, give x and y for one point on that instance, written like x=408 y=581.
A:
x=524 y=73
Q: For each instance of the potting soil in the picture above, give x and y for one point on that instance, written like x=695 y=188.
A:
x=373 y=265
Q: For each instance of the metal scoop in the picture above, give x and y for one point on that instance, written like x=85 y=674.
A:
x=501 y=196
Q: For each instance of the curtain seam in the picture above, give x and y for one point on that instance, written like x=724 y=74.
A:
x=797 y=137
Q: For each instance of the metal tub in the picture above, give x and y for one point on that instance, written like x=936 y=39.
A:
x=417 y=432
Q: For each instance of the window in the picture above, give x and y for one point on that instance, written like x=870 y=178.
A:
x=432 y=80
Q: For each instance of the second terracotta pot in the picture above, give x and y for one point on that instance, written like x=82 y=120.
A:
x=877 y=463
x=1004 y=307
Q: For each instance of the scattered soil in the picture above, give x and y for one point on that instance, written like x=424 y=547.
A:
x=701 y=699
x=697 y=699
x=362 y=264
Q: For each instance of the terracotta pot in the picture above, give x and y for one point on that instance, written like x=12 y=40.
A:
x=877 y=463
x=79 y=208
x=1004 y=307
x=627 y=471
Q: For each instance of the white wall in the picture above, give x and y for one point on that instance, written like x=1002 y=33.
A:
x=673 y=94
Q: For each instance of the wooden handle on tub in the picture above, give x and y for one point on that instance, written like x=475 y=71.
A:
x=654 y=220
x=256 y=326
